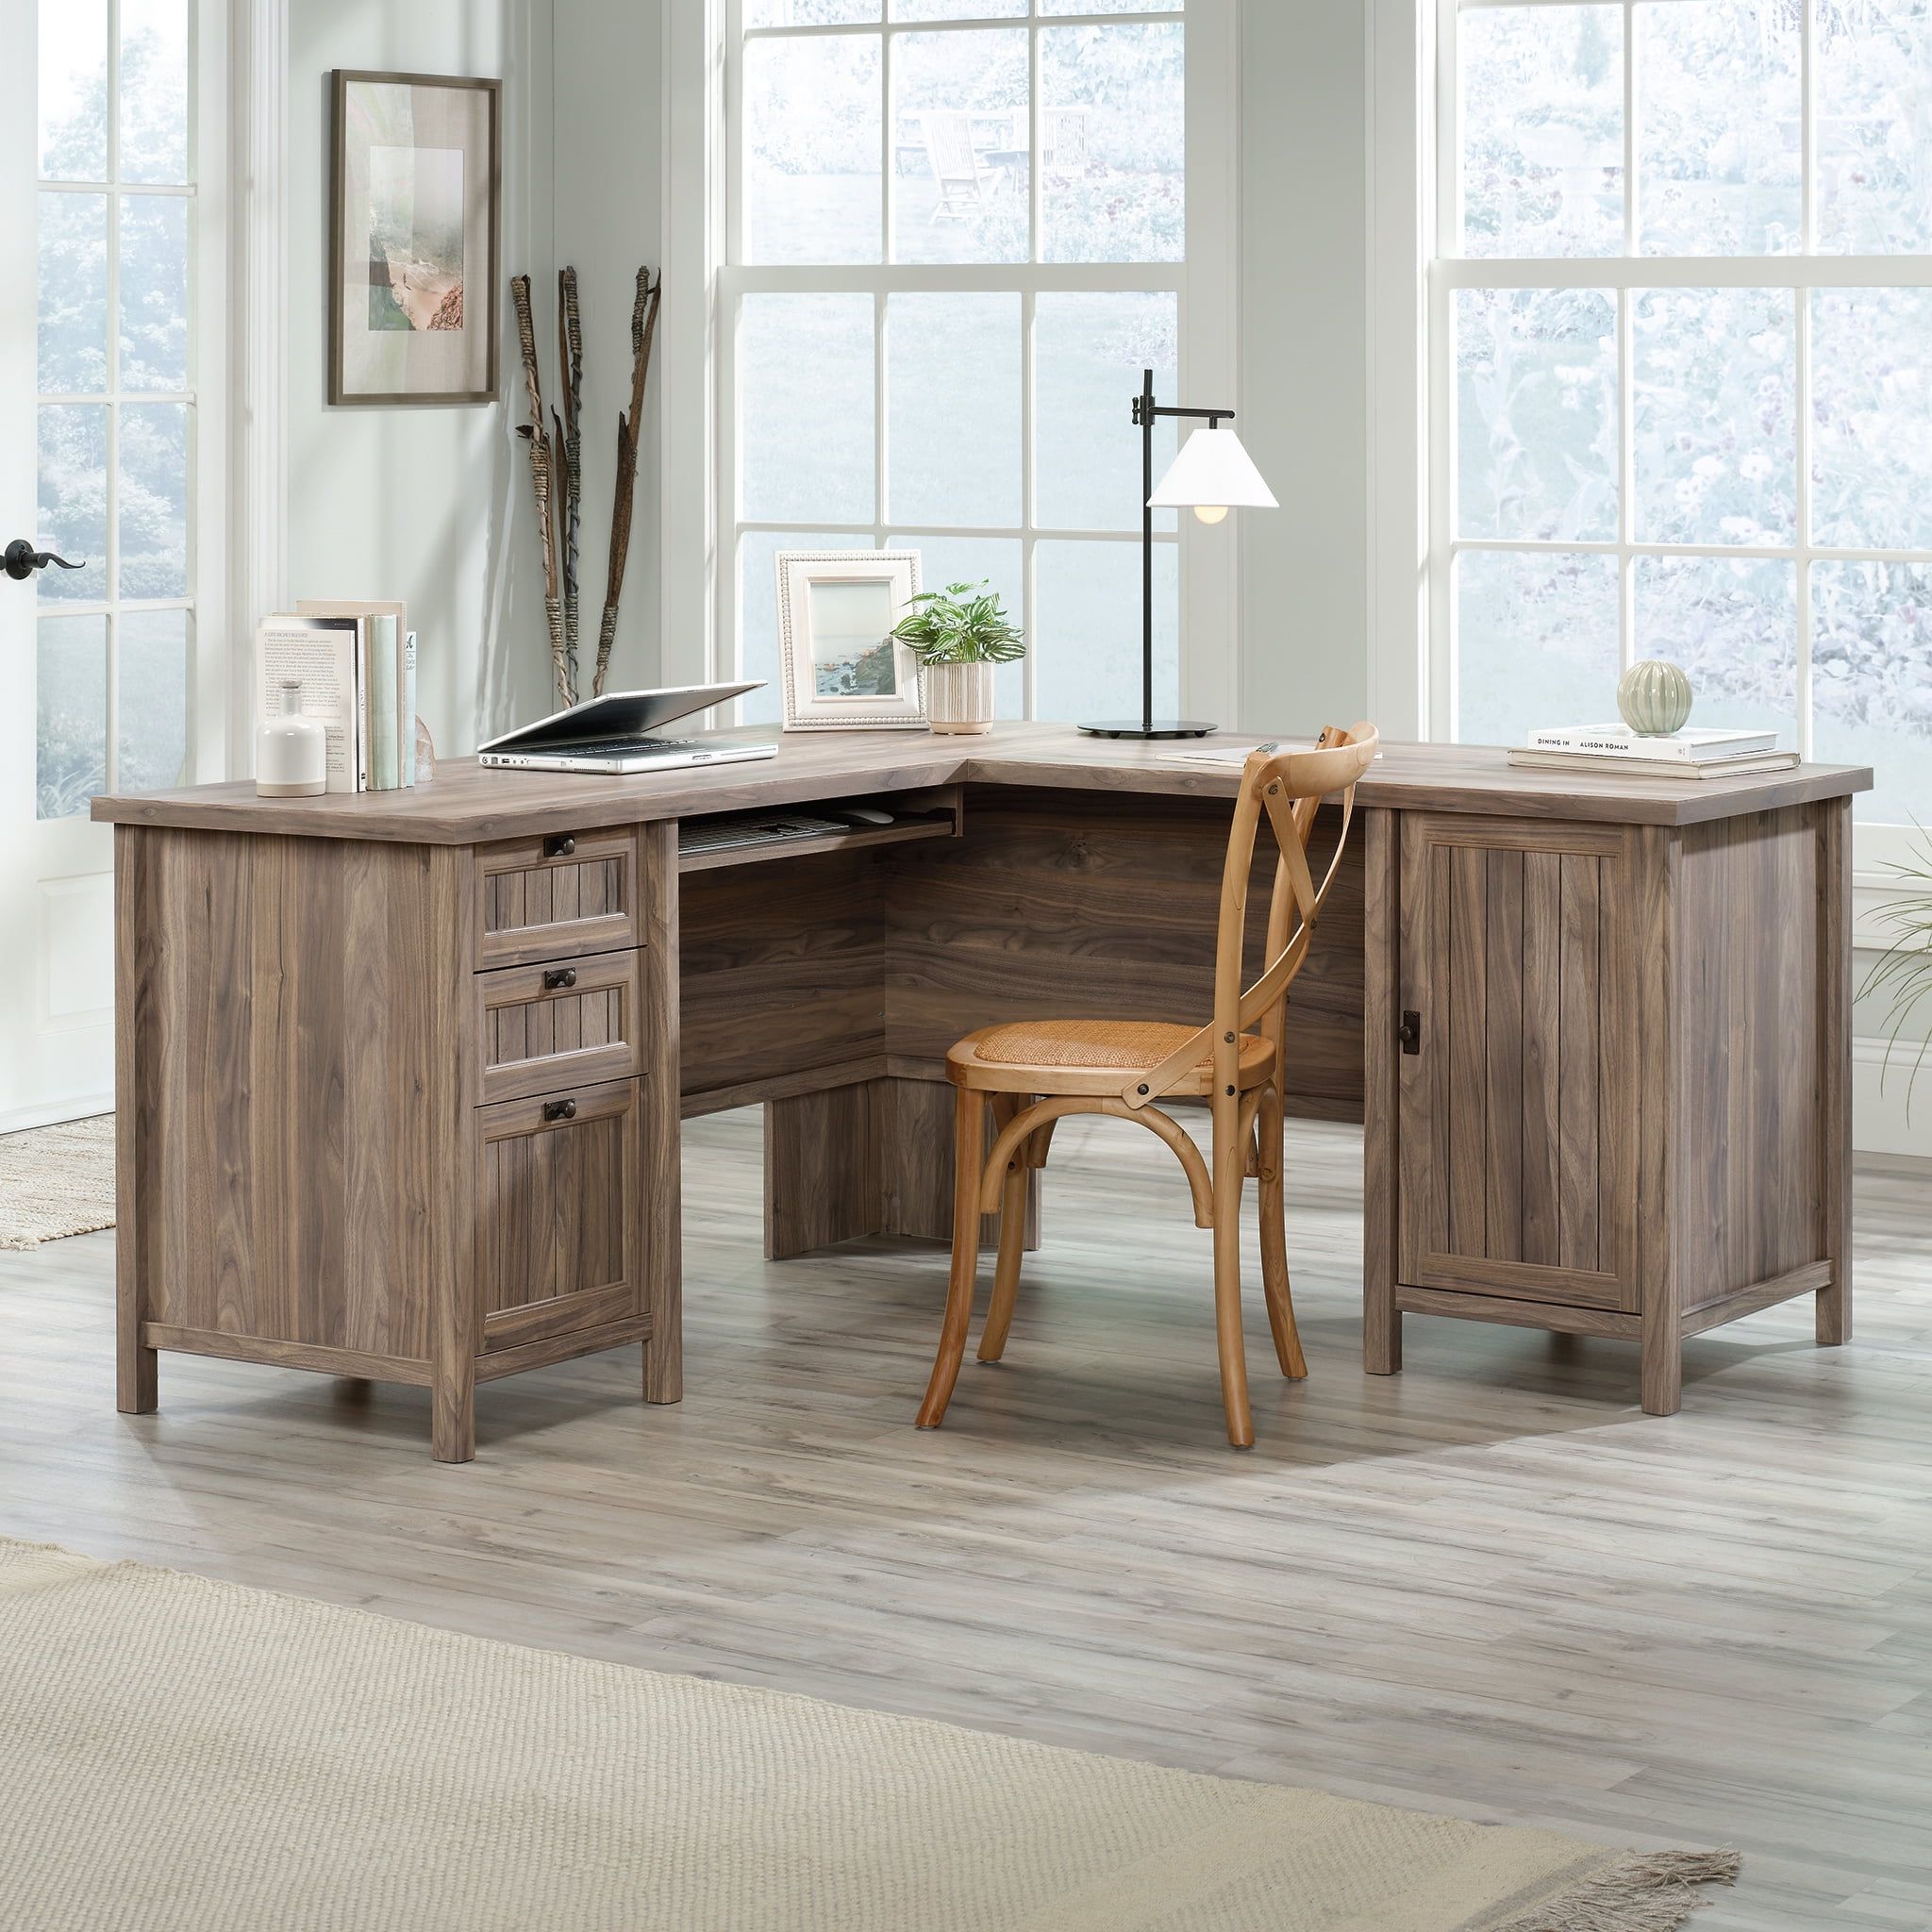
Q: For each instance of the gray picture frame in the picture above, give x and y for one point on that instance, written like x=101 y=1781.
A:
x=345 y=391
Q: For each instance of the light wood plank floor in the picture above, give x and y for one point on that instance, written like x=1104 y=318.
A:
x=1489 y=1586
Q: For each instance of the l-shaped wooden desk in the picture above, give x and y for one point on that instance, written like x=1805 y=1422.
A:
x=396 y=1072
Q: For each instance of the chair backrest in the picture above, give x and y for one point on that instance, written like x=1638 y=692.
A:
x=1287 y=788
x=949 y=148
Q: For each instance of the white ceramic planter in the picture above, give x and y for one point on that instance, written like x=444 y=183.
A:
x=959 y=697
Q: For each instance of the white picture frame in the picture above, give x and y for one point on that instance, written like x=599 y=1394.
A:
x=842 y=671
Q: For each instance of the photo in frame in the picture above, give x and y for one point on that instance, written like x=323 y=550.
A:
x=842 y=669
x=415 y=187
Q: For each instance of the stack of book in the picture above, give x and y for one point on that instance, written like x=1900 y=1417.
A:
x=1709 y=753
x=357 y=666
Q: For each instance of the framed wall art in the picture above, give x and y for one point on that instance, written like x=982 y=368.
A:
x=842 y=667
x=414 y=226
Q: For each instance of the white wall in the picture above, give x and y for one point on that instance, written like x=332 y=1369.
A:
x=1303 y=369
x=430 y=503
x=607 y=224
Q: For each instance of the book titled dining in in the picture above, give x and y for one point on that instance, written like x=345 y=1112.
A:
x=1690 y=747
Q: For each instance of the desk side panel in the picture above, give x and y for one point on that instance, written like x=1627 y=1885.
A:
x=1752 y=1009
x=297 y=1071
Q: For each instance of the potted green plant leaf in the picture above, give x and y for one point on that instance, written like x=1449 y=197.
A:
x=959 y=634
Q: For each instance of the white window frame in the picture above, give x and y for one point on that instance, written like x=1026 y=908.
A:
x=704 y=287
x=1431 y=189
x=203 y=396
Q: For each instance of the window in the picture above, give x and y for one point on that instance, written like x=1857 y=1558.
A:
x=117 y=402
x=1680 y=324
x=956 y=237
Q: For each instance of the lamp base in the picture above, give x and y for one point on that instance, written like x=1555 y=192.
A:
x=1162 y=727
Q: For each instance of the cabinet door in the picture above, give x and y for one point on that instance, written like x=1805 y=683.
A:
x=1518 y=1102
x=561 y=1243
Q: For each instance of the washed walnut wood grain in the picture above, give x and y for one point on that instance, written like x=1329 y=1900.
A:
x=315 y=1010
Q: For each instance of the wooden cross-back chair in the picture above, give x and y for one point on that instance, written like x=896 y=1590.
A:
x=1032 y=1074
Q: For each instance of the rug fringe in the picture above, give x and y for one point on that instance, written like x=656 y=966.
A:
x=1647 y=1891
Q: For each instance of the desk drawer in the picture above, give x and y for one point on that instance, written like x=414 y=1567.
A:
x=560 y=1232
x=548 y=898
x=543 y=1028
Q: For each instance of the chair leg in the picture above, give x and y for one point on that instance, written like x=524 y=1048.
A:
x=1275 y=1284
x=1005 y=1269
x=969 y=1153
x=1230 y=1159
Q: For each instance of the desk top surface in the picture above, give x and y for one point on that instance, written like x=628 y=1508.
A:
x=468 y=804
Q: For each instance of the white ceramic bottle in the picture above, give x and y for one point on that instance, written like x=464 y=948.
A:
x=291 y=751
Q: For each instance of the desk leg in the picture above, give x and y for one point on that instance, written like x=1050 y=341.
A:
x=663 y=1177
x=135 y=1390
x=822 y=1180
x=1834 y=1313
x=1381 y=969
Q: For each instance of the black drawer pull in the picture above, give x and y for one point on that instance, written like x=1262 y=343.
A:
x=1411 y=1032
x=560 y=1110
x=556 y=977
x=559 y=845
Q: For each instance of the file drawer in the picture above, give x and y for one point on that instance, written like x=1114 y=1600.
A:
x=557 y=1024
x=550 y=897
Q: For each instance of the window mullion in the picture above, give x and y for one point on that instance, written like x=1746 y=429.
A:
x=1029 y=674
x=111 y=494
x=1801 y=429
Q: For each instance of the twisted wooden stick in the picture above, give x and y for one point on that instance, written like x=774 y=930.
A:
x=542 y=478
x=570 y=443
x=643 y=329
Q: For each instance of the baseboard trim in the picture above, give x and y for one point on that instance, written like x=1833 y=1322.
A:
x=51 y=1114
x=1887 y=1116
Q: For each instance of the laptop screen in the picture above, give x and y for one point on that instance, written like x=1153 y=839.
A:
x=624 y=714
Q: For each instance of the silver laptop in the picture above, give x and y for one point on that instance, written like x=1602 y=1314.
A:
x=623 y=731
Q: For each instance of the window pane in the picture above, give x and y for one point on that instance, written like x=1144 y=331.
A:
x=153 y=292
x=757 y=610
x=1089 y=631
x=1536 y=642
x=73 y=293
x=73 y=89
x=812 y=149
x=70 y=714
x=953 y=384
x=1536 y=425
x=154 y=89
x=1717 y=416
x=1872 y=59
x=997 y=563
x=1112 y=128
x=73 y=476
x=1089 y=352
x=1732 y=623
x=804 y=393
x=1110 y=5
x=959 y=147
x=1871 y=417
x=152 y=513
x=1717 y=127
x=1871 y=682
x=1543 y=130
x=966 y=10
x=809 y=12
x=150 y=671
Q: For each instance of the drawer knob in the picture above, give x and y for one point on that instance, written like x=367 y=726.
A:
x=559 y=845
x=556 y=977
x=560 y=1110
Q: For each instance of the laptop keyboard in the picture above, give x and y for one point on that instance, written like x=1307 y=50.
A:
x=623 y=747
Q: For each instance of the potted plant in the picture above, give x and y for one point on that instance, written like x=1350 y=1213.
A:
x=959 y=634
x=1903 y=973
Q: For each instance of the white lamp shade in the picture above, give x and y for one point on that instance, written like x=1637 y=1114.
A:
x=1212 y=468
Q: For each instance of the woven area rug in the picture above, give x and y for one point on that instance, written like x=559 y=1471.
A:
x=56 y=1181
x=179 y=1753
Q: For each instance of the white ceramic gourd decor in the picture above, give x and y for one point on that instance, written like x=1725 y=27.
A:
x=1655 y=697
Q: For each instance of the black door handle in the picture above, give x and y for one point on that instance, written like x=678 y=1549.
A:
x=22 y=560
x=1411 y=1031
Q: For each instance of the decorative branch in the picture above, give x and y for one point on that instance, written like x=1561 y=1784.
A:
x=570 y=441
x=542 y=480
x=643 y=329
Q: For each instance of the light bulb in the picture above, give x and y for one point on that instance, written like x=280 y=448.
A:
x=1210 y=512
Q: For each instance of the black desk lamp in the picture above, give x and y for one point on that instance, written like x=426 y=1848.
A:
x=1211 y=475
